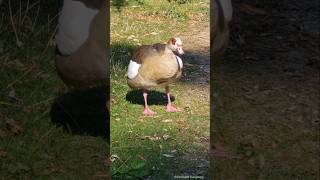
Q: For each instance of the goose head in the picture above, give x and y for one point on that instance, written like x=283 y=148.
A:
x=175 y=44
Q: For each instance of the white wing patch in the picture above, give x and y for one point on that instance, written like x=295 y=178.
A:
x=133 y=69
x=180 y=62
x=74 y=25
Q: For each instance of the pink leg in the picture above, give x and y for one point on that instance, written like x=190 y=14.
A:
x=170 y=108
x=147 y=111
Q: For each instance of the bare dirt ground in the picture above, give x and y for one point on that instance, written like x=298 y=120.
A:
x=197 y=58
x=266 y=117
x=196 y=71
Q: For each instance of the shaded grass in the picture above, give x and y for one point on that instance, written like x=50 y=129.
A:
x=31 y=147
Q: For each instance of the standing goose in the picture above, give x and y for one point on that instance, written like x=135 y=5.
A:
x=154 y=65
x=81 y=60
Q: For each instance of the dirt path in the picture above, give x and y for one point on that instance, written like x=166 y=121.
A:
x=197 y=58
x=196 y=71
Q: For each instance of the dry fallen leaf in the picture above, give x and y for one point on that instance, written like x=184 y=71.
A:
x=168 y=155
x=154 y=138
x=2 y=153
x=167 y=120
x=114 y=157
x=13 y=127
x=153 y=33
x=141 y=157
x=130 y=37
x=173 y=151
x=165 y=137
x=113 y=101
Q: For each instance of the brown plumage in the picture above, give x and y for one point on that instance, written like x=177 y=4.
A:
x=219 y=31
x=155 y=65
x=219 y=37
x=88 y=65
x=156 y=68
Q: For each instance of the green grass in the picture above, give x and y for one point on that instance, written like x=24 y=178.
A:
x=140 y=144
x=31 y=147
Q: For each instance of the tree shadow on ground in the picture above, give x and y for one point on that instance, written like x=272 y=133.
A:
x=122 y=3
x=118 y=4
x=121 y=54
x=154 y=97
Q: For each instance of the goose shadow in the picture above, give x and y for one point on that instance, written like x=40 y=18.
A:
x=83 y=112
x=154 y=97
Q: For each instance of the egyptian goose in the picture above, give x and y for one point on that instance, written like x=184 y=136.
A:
x=219 y=31
x=154 y=65
x=81 y=60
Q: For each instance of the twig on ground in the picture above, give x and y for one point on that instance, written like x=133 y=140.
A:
x=13 y=25
x=49 y=22
x=49 y=41
x=25 y=12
